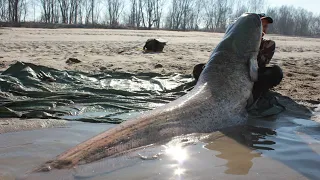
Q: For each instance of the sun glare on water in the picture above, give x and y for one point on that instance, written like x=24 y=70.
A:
x=177 y=153
x=179 y=171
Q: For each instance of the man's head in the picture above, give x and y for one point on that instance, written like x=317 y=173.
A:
x=265 y=22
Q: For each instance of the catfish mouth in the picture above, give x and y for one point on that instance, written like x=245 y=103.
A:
x=256 y=18
x=251 y=17
x=237 y=30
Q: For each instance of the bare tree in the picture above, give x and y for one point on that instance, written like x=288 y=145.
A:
x=114 y=9
x=174 y=17
x=46 y=10
x=23 y=10
x=240 y=8
x=180 y=14
x=217 y=13
x=92 y=11
x=209 y=14
x=302 y=21
x=292 y=21
x=33 y=4
x=158 y=7
x=255 y=5
x=13 y=8
x=3 y=10
x=64 y=9
x=87 y=10
x=194 y=17
x=146 y=13
x=315 y=26
x=212 y=15
x=284 y=21
x=149 y=8
x=134 y=17
x=151 y=13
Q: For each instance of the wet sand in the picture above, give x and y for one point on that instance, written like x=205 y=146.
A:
x=15 y=124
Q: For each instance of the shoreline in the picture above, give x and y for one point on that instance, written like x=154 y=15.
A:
x=8 y=125
x=101 y=50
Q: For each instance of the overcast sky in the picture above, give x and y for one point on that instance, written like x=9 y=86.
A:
x=311 y=5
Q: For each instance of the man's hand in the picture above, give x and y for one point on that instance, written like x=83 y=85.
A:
x=266 y=52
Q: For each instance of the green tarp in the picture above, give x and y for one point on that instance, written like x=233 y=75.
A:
x=31 y=91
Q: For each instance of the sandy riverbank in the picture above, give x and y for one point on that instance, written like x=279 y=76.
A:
x=120 y=50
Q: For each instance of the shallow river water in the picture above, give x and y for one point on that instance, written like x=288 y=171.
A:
x=284 y=147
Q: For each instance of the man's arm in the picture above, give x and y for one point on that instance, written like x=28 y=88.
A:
x=266 y=52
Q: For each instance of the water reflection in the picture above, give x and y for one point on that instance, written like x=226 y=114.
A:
x=179 y=171
x=238 y=157
x=238 y=147
x=177 y=153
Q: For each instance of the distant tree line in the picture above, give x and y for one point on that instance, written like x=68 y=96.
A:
x=294 y=21
x=208 y=15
